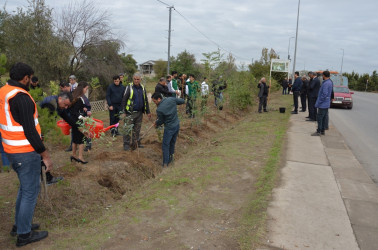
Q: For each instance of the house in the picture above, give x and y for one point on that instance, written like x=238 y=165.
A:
x=147 y=68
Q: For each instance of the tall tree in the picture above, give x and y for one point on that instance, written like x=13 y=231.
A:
x=28 y=36
x=184 y=63
x=83 y=25
x=129 y=65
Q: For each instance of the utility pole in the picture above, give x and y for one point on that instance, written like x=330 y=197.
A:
x=288 y=49
x=296 y=40
x=170 y=7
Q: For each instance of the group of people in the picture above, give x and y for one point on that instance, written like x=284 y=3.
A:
x=21 y=132
x=316 y=95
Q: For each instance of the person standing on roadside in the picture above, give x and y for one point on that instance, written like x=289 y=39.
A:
x=296 y=88
x=135 y=104
x=284 y=84
x=263 y=94
x=323 y=102
x=114 y=95
x=21 y=139
x=313 y=90
x=304 y=94
x=167 y=115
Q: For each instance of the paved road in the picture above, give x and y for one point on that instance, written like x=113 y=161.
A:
x=359 y=127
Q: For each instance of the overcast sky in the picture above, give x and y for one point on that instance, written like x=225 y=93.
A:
x=244 y=27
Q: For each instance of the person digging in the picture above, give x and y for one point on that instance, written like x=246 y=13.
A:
x=167 y=115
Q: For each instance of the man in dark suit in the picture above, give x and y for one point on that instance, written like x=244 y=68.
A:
x=313 y=90
x=263 y=94
x=304 y=94
x=296 y=88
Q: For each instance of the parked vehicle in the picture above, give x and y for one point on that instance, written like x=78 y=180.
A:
x=342 y=97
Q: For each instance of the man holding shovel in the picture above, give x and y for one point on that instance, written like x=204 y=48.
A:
x=167 y=115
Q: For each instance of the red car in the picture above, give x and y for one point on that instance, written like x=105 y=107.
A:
x=343 y=97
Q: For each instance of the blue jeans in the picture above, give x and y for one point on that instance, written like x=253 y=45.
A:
x=4 y=158
x=322 y=119
x=169 y=142
x=28 y=169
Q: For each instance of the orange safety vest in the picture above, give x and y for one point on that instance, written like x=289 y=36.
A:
x=12 y=133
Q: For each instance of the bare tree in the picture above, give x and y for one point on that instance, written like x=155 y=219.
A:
x=83 y=26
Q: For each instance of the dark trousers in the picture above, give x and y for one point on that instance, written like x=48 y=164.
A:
x=262 y=102
x=114 y=114
x=169 y=142
x=133 y=123
x=303 y=101
x=311 y=108
x=284 y=91
x=295 y=97
x=322 y=119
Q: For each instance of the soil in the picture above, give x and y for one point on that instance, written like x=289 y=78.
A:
x=111 y=174
x=200 y=211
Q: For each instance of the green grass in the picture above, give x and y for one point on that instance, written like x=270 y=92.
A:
x=253 y=220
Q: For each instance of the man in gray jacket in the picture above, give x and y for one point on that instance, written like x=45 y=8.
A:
x=167 y=115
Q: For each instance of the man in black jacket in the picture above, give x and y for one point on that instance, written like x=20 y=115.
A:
x=135 y=104
x=263 y=94
x=296 y=88
x=114 y=95
x=304 y=94
x=162 y=88
x=21 y=139
x=313 y=90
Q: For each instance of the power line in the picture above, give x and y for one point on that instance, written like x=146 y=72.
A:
x=216 y=44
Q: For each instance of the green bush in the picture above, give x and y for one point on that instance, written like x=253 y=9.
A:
x=51 y=132
x=241 y=88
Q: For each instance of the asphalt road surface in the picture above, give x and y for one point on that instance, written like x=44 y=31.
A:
x=359 y=127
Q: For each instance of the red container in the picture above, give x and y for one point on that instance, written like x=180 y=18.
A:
x=64 y=126
x=97 y=128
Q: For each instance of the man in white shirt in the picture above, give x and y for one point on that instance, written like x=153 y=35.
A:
x=204 y=93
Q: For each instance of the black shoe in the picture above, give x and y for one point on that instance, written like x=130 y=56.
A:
x=54 y=180
x=294 y=112
x=307 y=117
x=322 y=133
x=140 y=146
x=126 y=147
x=326 y=128
x=310 y=120
x=82 y=162
x=315 y=134
x=265 y=110
x=14 y=229
x=260 y=111
x=75 y=159
x=302 y=111
x=31 y=237
x=69 y=149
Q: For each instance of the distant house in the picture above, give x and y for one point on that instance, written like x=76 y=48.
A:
x=147 y=68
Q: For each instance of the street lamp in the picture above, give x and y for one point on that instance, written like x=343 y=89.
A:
x=288 y=49
x=342 y=60
x=296 y=40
